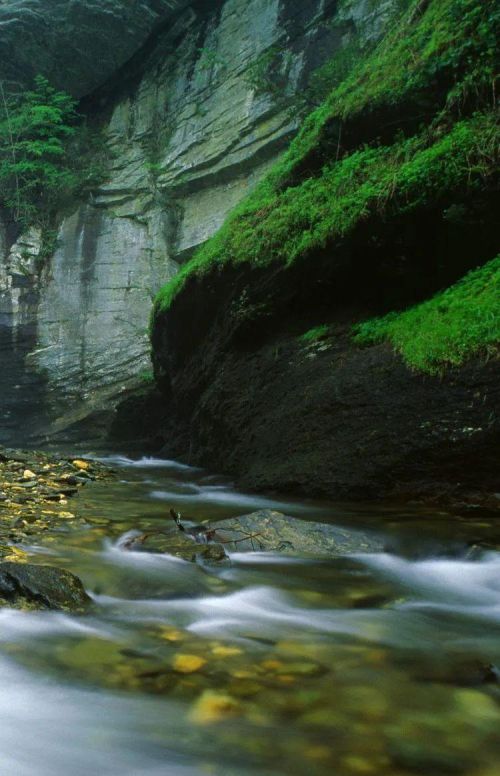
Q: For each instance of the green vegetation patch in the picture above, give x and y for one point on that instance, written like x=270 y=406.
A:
x=315 y=334
x=436 y=42
x=49 y=158
x=371 y=181
x=435 y=45
x=448 y=329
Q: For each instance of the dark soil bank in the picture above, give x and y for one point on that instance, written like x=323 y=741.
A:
x=251 y=398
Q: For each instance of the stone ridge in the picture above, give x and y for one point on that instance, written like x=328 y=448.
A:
x=77 y=45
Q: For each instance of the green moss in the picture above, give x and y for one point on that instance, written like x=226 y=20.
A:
x=453 y=40
x=448 y=329
x=450 y=42
x=315 y=334
x=379 y=180
x=440 y=60
x=147 y=377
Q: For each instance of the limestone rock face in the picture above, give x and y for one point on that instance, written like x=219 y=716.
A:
x=19 y=277
x=190 y=126
x=77 y=44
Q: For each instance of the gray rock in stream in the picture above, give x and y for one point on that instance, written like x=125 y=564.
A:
x=263 y=531
x=269 y=531
x=29 y=586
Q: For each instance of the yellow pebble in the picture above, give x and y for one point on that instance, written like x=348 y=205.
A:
x=188 y=664
x=359 y=765
x=29 y=475
x=171 y=634
x=271 y=665
x=19 y=556
x=286 y=678
x=222 y=651
x=213 y=707
x=318 y=752
x=82 y=465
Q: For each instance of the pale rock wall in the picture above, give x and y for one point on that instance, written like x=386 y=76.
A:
x=190 y=132
x=19 y=278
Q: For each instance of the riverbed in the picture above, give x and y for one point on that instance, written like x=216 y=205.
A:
x=367 y=663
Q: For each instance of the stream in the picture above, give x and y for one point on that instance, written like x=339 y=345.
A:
x=367 y=663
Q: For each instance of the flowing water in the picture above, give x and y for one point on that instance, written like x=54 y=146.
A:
x=362 y=664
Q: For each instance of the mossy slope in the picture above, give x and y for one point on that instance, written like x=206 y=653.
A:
x=413 y=124
x=447 y=329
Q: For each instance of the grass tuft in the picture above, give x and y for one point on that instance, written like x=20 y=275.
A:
x=315 y=334
x=448 y=329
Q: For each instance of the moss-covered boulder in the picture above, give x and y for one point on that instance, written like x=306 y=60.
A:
x=387 y=196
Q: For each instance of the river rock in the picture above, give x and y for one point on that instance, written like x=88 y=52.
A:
x=269 y=531
x=27 y=585
x=180 y=544
x=263 y=531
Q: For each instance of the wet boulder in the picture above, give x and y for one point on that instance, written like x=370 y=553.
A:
x=29 y=586
x=269 y=531
x=262 y=531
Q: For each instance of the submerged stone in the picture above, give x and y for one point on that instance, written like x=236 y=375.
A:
x=214 y=707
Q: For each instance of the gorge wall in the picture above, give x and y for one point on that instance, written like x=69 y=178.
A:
x=340 y=334
x=190 y=123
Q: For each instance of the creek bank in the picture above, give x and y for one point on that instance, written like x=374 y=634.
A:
x=324 y=418
x=386 y=198
x=34 y=493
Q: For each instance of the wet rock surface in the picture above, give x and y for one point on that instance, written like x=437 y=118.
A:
x=31 y=586
x=265 y=530
x=269 y=531
x=326 y=418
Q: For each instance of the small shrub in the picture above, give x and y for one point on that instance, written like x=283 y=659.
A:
x=48 y=157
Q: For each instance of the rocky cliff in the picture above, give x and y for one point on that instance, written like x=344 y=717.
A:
x=77 y=45
x=191 y=122
x=340 y=333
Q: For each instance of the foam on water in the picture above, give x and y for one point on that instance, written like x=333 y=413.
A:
x=220 y=495
x=26 y=625
x=261 y=611
x=145 y=463
x=471 y=582
x=48 y=729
